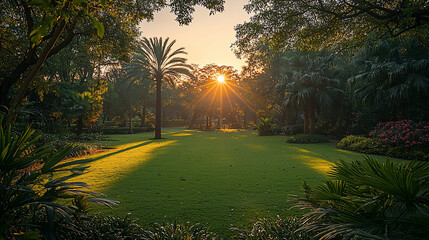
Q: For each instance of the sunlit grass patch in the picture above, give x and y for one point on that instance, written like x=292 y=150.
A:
x=111 y=166
x=318 y=164
x=222 y=179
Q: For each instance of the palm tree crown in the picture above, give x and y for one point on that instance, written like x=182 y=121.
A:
x=164 y=64
x=309 y=83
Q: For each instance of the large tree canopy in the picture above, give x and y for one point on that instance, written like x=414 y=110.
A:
x=33 y=31
x=328 y=23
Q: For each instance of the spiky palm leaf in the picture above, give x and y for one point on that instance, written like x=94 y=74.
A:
x=395 y=72
x=30 y=182
x=370 y=200
x=309 y=81
x=164 y=64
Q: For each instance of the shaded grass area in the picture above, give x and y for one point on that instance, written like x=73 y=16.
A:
x=222 y=179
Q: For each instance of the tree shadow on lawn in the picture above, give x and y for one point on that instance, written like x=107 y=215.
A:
x=220 y=178
x=121 y=151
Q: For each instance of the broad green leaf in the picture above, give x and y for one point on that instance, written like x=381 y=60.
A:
x=98 y=26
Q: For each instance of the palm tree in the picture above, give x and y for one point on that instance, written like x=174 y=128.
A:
x=394 y=72
x=163 y=64
x=309 y=84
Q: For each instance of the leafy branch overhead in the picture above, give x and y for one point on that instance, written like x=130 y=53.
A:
x=43 y=28
x=323 y=23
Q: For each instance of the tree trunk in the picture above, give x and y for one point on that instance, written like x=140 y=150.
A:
x=400 y=111
x=193 y=119
x=130 y=130
x=79 y=126
x=306 y=120
x=104 y=118
x=158 y=108
x=35 y=69
x=143 y=116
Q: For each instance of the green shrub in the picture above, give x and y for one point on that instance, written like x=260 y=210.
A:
x=179 y=231
x=293 y=129
x=369 y=199
x=273 y=229
x=349 y=140
x=81 y=145
x=125 y=130
x=32 y=179
x=371 y=146
x=361 y=144
x=307 y=138
x=405 y=133
x=106 y=227
x=265 y=127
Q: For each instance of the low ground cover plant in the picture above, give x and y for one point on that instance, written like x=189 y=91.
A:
x=307 y=138
x=81 y=145
x=125 y=130
x=277 y=228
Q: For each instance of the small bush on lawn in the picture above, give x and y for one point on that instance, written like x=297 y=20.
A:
x=361 y=144
x=273 y=229
x=293 y=129
x=265 y=127
x=307 y=138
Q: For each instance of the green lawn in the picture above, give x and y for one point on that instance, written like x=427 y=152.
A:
x=222 y=179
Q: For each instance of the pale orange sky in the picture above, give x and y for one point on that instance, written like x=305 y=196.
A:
x=208 y=38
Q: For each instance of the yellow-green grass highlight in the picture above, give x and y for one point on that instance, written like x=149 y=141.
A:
x=222 y=178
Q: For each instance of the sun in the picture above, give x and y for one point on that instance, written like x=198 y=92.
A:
x=221 y=79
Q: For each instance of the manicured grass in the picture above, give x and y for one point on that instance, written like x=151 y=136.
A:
x=222 y=179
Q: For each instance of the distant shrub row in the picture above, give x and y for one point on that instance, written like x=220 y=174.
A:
x=125 y=130
x=400 y=139
x=372 y=146
x=307 y=138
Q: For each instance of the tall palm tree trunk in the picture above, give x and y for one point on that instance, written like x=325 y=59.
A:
x=158 y=109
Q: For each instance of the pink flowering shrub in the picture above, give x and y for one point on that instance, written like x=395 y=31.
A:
x=405 y=133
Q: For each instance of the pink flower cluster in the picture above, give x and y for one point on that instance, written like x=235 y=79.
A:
x=405 y=133
x=355 y=118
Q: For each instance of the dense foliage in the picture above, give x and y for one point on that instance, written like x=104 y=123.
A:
x=33 y=180
x=401 y=139
x=369 y=200
x=360 y=144
x=278 y=228
x=34 y=31
x=405 y=133
x=307 y=138
x=265 y=127
x=323 y=23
